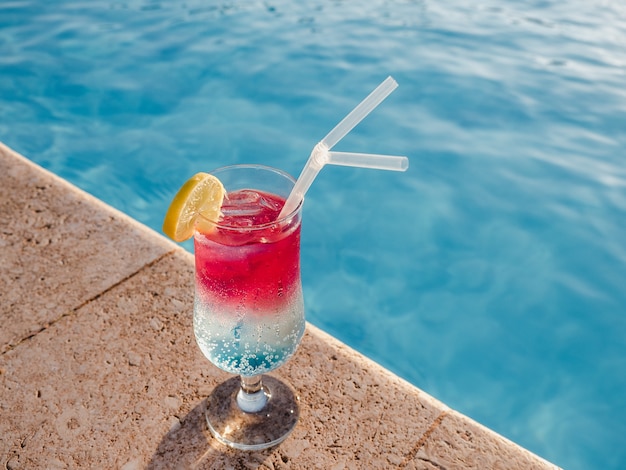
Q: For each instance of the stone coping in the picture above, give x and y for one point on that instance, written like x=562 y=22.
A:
x=99 y=367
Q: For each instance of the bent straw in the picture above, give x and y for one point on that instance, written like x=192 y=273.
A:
x=320 y=154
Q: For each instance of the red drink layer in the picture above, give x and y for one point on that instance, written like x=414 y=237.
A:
x=249 y=261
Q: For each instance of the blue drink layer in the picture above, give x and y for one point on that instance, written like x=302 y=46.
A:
x=248 y=343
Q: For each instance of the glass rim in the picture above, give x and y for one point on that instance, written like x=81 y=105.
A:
x=254 y=166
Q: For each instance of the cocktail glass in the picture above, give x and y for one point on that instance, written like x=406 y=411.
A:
x=248 y=309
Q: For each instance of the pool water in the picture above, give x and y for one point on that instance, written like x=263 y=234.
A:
x=492 y=274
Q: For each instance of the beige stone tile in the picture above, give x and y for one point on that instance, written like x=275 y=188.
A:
x=360 y=414
x=59 y=247
x=101 y=386
x=120 y=383
x=460 y=443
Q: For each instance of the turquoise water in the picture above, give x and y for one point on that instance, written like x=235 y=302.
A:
x=492 y=274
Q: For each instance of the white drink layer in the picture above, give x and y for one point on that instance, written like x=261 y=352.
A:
x=248 y=343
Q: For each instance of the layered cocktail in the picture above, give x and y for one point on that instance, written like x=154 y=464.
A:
x=248 y=308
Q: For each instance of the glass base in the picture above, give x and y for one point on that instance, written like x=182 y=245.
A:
x=253 y=430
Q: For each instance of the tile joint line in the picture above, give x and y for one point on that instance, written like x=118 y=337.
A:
x=422 y=440
x=149 y=264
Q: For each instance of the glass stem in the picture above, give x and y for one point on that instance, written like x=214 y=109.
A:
x=251 y=397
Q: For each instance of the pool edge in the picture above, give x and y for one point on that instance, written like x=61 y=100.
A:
x=353 y=409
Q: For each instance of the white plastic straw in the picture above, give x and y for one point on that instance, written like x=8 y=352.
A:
x=355 y=116
x=368 y=160
x=321 y=155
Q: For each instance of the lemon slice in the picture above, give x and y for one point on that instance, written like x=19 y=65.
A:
x=201 y=194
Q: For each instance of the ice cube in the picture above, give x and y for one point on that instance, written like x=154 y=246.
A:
x=244 y=203
x=246 y=208
x=271 y=204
